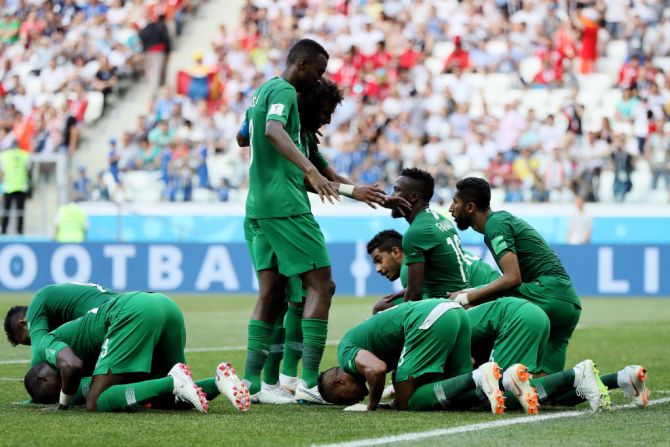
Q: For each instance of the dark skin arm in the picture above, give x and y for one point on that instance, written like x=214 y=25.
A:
x=70 y=367
x=374 y=371
x=386 y=302
x=403 y=392
x=275 y=133
x=415 y=276
x=242 y=141
x=510 y=279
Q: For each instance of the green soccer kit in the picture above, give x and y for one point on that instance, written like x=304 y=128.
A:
x=544 y=280
x=508 y=331
x=284 y=233
x=432 y=239
x=57 y=304
x=136 y=332
x=415 y=338
x=479 y=272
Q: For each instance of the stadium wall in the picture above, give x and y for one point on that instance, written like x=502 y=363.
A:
x=624 y=270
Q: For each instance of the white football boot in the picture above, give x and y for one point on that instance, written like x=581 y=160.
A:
x=632 y=380
x=516 y=380
x=589 y=386
x=232 y=387
x=488 y=383
x=185 y=389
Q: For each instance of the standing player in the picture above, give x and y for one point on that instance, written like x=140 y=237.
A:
x=51 y=307
x=530 y=268
x=128 y=345
x=433 y=253
x=286 y=240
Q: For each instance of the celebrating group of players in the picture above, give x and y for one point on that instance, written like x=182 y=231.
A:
x=460 y=334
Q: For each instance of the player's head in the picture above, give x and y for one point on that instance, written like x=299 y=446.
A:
x=43 y=384
x=385 y=250
x=317 y=105
x=472 y=195
x=310 y=60
x=16 y=326
x=341 y=388
x=414 y=185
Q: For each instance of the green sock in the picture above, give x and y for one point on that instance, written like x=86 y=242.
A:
x=259 y=337
x=314 y=332
x=293 y=344
x=611 y=380
x=209 y=387
x=82 y=391
x=271 y=367
x=440 y=394
x=132 y=395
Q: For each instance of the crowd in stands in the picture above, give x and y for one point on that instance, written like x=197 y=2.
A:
x=547 y=99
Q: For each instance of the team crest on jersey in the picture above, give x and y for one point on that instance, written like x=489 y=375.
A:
x=276 y=109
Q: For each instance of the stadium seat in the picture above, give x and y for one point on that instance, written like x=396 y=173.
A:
x=434 y=65
x=33 y=85
x=497 y=196
x=96 y=102
x=497 y=48
x=529 y=67
x=663 y=63
x=202 y=195
x=461 y=164
x=442 y=50
x=617 y=51
x=605 y=190
x=538 y=100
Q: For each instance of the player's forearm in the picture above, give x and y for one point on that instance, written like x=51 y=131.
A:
x=285 y=146
x=376 y=382
x=70 y=367
x=495 y=288
x=412 y=294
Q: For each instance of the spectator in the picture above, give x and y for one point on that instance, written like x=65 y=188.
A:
x=580 y=224
x=657 y=152
x=623 y=168
x=71 y=223
x=82 y=185
x=157 y=46
x=15 y=175
x=459 y=59
x=113 y=157
x=223 y=190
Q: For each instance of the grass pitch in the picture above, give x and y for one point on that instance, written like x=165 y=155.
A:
x=614 y=332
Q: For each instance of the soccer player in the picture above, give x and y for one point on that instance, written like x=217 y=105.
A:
x=433 y=253
x=530 y=268
x=50 y=307
x=510 y=331
x=128 y=345
x=427 y=343
x=286 y=239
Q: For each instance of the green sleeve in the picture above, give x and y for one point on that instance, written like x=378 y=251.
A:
x=57 y=340
x=280 y=104
x=38 y=325
x=346 y=357
x=499 y=237
x=415 y=245
x=315 y=156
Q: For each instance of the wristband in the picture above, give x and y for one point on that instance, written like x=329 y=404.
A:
x=462 y=299
x=65 y=399
x=346 y=190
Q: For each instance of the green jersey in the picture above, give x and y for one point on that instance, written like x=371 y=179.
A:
x=57 y=304
x=85 y=336
x=432 y=239
x=504 y=233
x=382 y=334
x=479 y=272
x=312 y=147
x=276 y=186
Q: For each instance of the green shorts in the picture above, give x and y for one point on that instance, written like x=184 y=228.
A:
x=508 y=331
x=556 y=296
x=442 y=349
x=146 y=334
x=292 y=245
x=294 y=292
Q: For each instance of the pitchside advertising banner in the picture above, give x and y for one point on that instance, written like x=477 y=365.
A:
x=626 y=270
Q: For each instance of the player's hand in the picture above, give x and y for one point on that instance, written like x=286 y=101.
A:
x=395 y=202
x=370 y=194
x=391 y=297
x=461 y=297
x=321 y=186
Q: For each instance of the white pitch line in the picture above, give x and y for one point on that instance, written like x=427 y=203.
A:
x=187 y=350
x=407 y=437
x=10 y=379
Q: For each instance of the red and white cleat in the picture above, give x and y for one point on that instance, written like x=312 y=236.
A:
x=232 y=387
x=634 y=384
x=516 y=380
x=185 y=390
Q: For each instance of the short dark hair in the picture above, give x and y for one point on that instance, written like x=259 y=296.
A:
x=323 y=390
x=12 y=323
x=425 y=181
x=311 y=100
x=475 y=190
x=307 y=49
x=385 y=241
x=34 y=386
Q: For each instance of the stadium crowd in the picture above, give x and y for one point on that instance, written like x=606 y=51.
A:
x=547 y=101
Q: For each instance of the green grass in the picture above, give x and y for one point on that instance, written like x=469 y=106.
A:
x=614 y=332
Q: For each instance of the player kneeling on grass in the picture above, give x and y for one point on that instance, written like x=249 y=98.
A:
x=133 y=347
x=510 y=331
x=427 y=343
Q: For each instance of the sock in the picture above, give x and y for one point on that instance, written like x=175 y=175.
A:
x=271 y=367
x=259 y=337
x=440 y=394
x=558 y=388
x=82 y=391
x=314 y=333
x=612 y=381
x=209 y=387
x=293 y=344
x=132 y=395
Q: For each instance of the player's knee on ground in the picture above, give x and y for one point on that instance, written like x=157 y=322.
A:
x=340 y=388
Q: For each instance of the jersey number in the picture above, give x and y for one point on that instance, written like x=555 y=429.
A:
x=455 y=243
